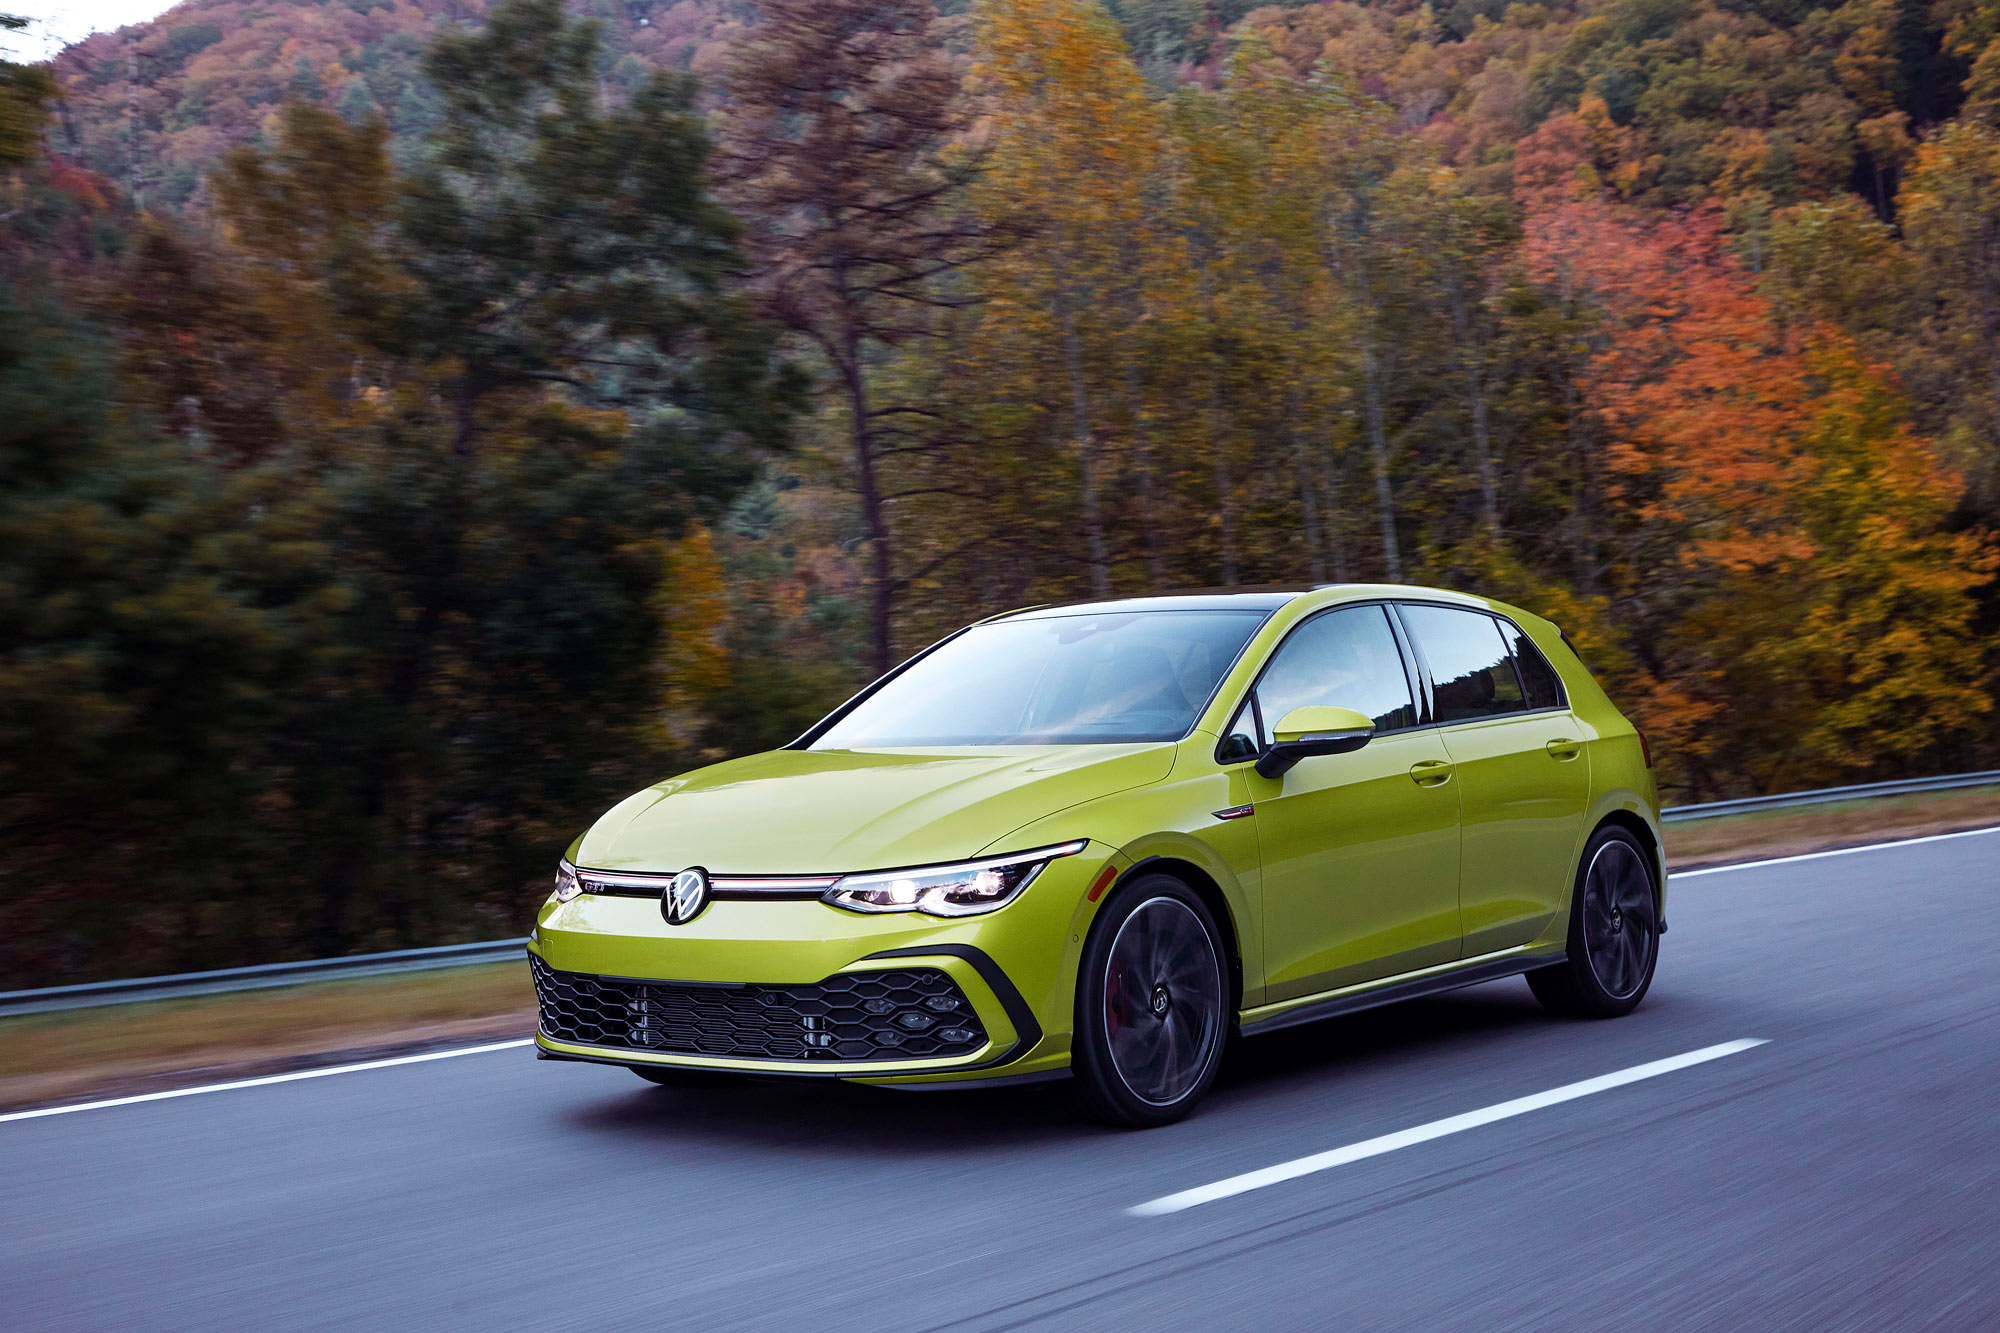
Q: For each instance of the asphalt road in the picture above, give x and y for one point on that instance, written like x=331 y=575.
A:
x=1844 y=1175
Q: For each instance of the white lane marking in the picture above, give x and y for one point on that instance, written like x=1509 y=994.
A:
x=328 y=1072
x=1838 y=851
x=1436 y=1129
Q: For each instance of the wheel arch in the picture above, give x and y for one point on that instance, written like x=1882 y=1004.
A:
x=1649 y=840
x=1204 y=887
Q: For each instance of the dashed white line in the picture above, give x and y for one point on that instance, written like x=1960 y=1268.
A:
x=266 y=1081
x=1436 y=1129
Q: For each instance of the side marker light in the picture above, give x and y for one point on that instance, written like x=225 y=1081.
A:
x=1104 y=879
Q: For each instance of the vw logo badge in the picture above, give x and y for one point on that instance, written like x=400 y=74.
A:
x=685 y=897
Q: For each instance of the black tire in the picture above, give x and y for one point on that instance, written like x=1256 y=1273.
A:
x=1614 y=932
x=1153 y=1006
x=700 y=1080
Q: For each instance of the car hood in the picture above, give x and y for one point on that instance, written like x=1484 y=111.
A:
x=828 y=811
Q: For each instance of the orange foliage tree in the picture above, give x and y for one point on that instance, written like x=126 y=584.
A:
x=1772 y=543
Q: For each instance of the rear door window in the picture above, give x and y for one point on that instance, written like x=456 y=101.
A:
x=1472 y=672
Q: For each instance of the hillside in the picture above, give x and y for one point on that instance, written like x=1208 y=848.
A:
x=1758 y=105
x=1777 y=102
x=155 y=105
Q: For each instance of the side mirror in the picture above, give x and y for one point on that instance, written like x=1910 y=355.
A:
x=1314 y=729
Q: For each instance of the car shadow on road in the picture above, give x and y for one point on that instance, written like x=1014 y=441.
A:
x=1484 y=1026
x=1409 y=1031
x=830 y=1118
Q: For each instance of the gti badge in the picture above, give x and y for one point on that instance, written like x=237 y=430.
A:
x=685 y=897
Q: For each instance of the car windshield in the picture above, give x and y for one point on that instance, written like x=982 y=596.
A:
x=1055 y=680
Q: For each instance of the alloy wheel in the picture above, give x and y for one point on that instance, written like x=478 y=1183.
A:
x=1162 y=1000
x=1620 y=924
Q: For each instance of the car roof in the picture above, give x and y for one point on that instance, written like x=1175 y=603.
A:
x=1263 y=598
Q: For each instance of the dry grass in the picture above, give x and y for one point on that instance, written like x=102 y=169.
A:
x=1820 y=827
x=140 y=1047
x=121 y=1049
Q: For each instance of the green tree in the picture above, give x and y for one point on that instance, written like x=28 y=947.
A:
x=528 y=367
x=151 y=611
x=837 y=140
x=553 y=240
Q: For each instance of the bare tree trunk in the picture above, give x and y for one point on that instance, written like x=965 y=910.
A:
x=1475 y=399
x=1086 y=449
x=1336 y=550
x=354 y=871
x=134 y=180
x=1583 y=502
x=1225 y=488
x=881 y=584
x=1308 y=493
x=1149 y=518
x=1378 y=447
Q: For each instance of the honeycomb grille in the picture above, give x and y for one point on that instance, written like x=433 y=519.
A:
x=905 y=1014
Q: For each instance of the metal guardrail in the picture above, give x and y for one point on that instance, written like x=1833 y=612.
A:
x=499 y=951
x=185 y=984
x=1716 y=809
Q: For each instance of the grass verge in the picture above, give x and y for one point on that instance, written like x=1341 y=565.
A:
x=119 y=1050
x=1817 y=828
x=122 y=1049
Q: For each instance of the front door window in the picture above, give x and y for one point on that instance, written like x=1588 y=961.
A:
x=1348 y=659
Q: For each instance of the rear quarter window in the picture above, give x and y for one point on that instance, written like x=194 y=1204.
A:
x=1538 y=679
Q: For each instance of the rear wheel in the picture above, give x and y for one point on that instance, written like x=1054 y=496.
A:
x=1614 y=933
x=1152 y=1008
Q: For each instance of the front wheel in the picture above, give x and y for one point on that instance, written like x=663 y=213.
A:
x=1152 y=1007
x=1614 y=933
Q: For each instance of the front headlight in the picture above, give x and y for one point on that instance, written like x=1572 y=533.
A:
x=954 y=890
x=567 y=884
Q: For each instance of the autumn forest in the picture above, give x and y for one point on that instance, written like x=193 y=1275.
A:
x=423 y=421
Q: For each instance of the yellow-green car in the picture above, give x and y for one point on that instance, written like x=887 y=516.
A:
x=1101 y=840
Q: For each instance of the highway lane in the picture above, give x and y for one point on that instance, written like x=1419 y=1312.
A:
x=1844 y=1175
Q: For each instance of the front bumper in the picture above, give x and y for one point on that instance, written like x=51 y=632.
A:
x=1016 y=967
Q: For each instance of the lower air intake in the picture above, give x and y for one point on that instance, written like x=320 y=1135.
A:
x=904 y=1014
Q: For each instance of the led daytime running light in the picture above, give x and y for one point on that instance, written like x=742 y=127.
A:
x=966 y=889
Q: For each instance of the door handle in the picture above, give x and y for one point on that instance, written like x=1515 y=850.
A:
x=1564 y=749
x=1431 y=772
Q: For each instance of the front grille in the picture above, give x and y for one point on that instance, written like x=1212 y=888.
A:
x=903 y=1014
x=751 y=888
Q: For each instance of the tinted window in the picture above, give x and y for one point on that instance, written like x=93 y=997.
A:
x=1539 y=678
x=1055 y=680
x=1470 y=671
x=1345 y=659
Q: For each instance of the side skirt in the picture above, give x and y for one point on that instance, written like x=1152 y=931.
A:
x=1378 y=993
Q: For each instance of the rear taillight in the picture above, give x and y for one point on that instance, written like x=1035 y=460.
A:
x=1645 y=746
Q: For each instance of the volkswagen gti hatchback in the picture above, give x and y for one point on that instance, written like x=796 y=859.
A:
x=1101 y=840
